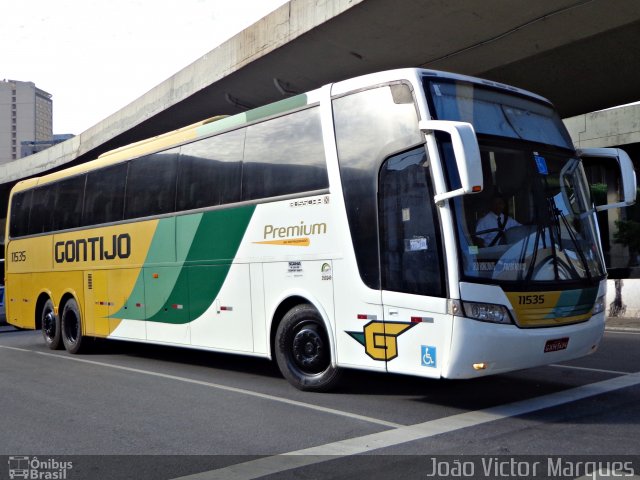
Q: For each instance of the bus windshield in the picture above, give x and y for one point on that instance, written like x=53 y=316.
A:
x=493 y=112
x=534 y=220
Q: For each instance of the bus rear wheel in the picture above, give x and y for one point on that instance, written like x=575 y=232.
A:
x=50 y=326
x=303 y=351
x=72 y=337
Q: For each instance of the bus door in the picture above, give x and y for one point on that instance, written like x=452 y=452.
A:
x=416 y=324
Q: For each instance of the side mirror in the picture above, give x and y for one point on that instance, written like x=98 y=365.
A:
x=627 y=174
x=467 y=154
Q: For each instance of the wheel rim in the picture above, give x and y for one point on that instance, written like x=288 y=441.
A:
x=49 y=324
x=71 y=326
x=309 y=349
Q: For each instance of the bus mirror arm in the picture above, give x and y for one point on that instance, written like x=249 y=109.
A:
x=466 y=152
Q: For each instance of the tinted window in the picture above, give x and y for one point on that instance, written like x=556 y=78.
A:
x=497 y=113
x=69 y=198
x=20 y=205
x=370 y=126
x=104 y=198
x=410 y=240
x=284 y=156
x=41 y=216
x=210 y=171
x=151 y=185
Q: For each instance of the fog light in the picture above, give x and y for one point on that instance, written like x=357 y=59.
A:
x=480 y=366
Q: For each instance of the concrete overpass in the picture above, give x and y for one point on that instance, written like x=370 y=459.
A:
x=579 y=53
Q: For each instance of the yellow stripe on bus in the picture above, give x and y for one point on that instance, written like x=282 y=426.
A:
x=293 y=242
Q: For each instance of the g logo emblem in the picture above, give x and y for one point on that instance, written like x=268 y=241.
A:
x=380 y=339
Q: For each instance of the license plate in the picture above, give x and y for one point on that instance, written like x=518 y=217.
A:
x=556 y=344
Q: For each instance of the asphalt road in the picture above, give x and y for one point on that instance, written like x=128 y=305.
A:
x=128 y=410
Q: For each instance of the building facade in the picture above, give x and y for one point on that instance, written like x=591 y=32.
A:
x=31 y=147
x=26 y=115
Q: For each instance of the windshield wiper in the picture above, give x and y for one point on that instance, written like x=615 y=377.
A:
x=556 y=215
x=552 y=225
x=534 y=255
x=540 y=237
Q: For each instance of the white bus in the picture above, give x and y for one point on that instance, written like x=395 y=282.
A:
x=409 y=221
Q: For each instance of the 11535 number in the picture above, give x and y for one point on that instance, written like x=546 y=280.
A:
x=20 y=256
x=530 y=299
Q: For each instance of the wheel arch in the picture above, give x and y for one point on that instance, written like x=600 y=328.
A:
x=66 y=296
x=43 y=296
x=286 y=303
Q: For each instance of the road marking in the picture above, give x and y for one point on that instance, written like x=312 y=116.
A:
x=388 y=438
x=622 y=330
x=599 y=370
x=606 y=473
x=218 y=386
x=18 y=349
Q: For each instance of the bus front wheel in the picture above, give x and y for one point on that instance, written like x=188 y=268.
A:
x=72 y=337
x=50 y=326
x=303 y=351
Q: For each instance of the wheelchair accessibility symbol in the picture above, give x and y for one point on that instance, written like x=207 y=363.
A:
x=428 y=356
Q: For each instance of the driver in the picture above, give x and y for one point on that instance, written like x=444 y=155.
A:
x=490 y=228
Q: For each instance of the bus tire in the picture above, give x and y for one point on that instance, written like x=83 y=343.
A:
x=303 y=351
x=72 y=337
x=51 y=326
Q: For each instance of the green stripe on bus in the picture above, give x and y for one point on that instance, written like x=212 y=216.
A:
x=240 y=119
x=161 y=251
x=574 y=302
x=275 y=108
x=222 y=124
x=183 y=293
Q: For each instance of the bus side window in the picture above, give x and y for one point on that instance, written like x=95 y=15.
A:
x=284 y=156
x=210 y=171
x=69 y=198
x=151 y=185
x=40 y=218
x=370 y=125
x=411 y=254
x=20 y=206
x=104 y=197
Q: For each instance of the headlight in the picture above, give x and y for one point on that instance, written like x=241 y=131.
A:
x=487 y=312
x=598 y=307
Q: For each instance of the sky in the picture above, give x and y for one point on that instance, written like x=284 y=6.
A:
x=96 y=56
